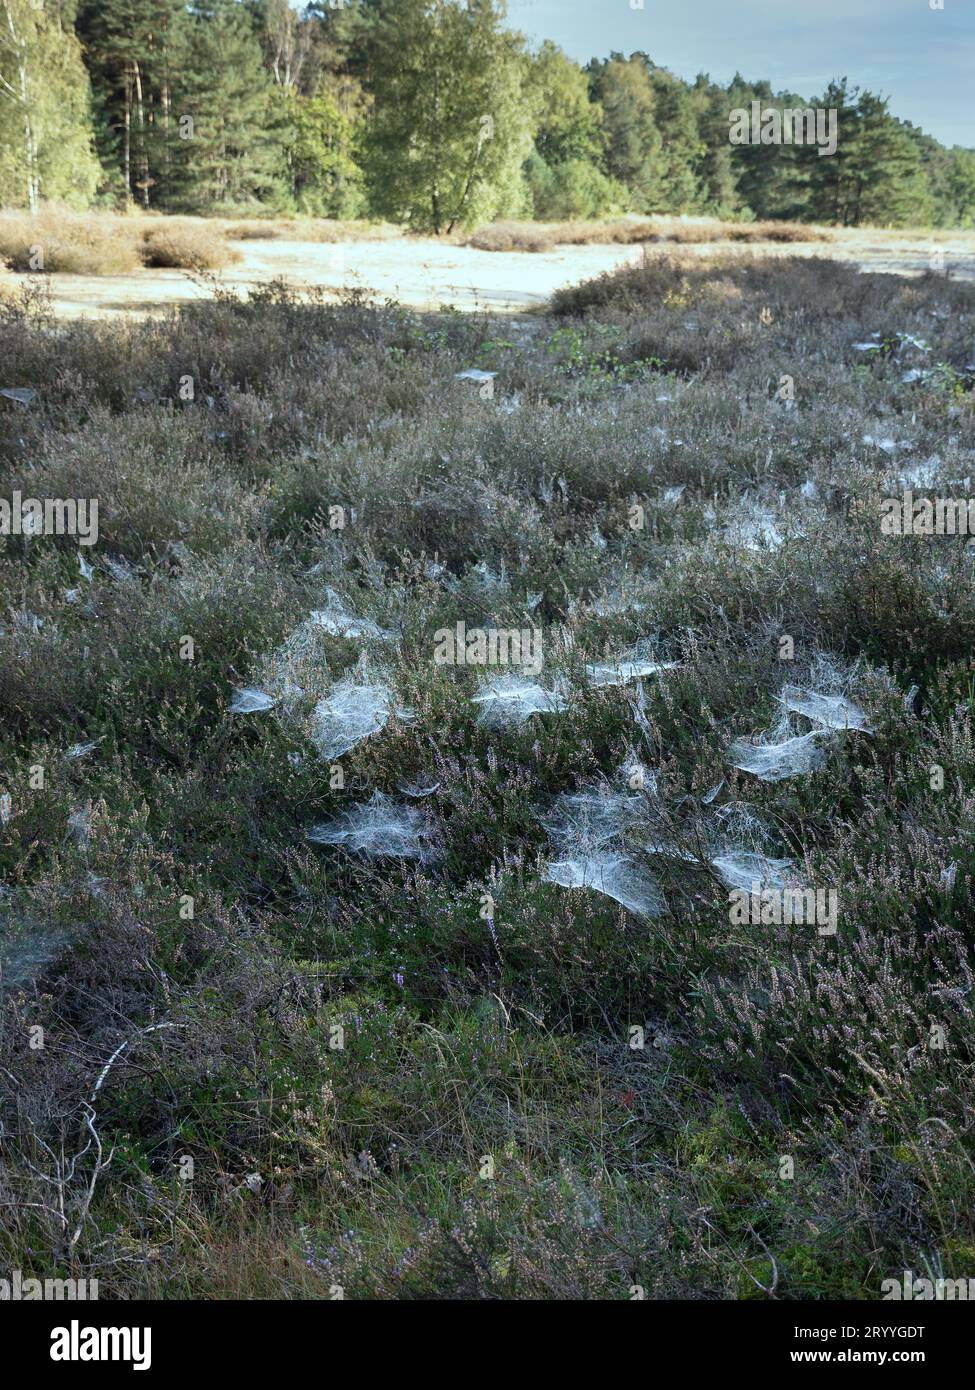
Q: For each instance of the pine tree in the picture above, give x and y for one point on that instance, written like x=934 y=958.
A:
x=834 y=179
x=771 y=179
x=876 y=175
x=714 y=170
x=134 y=51
x=632 y=142
x=680 y=143
x=891 y=187
x=231 y=123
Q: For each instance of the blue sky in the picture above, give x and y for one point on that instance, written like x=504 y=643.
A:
x=923 y=59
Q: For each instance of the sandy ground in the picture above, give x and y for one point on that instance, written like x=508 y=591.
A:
x=427 y=274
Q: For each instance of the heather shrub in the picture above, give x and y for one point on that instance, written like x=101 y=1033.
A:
x=328 y=985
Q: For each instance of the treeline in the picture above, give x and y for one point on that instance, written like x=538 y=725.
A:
x=430 y=114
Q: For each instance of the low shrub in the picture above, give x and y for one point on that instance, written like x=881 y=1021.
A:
x=187 y=246
x=543 y=236
x=75 y=243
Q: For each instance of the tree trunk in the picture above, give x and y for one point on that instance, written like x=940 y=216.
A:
x=435 y=191
x=467 y=186
x=127 y=138
x=141 y=117
x=166 y=153
x=31 y=157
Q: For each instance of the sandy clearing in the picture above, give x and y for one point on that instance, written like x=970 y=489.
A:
x=427 y=274
x=420 y=273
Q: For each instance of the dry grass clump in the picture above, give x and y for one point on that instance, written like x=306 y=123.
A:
x=256 y=229
x=703 y=232
x=107 y=244
x=512 y=236
x=187 y=246
x=661 y=280
x=774 y=231
x=316 y=229
x=110 y=244
x=76 y=243
x=543 y=236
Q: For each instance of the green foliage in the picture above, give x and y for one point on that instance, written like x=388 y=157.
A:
x=680 y=144
x=320 y=149
x=46 y=149
x=574 y=190
x=430 y=115
x=876 y=174
x=633 y=146
x=715 y=168
x=450 y=126
x=960 y=209
x=232 y=153
x=567 y=123
x=137 y=52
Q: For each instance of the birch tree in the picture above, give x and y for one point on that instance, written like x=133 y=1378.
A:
x=452 y=121
x=45 y=107
x=16 y=86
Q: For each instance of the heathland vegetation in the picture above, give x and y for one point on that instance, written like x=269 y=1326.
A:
x=435 y=116
x=327 y=965
x=487 y=805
